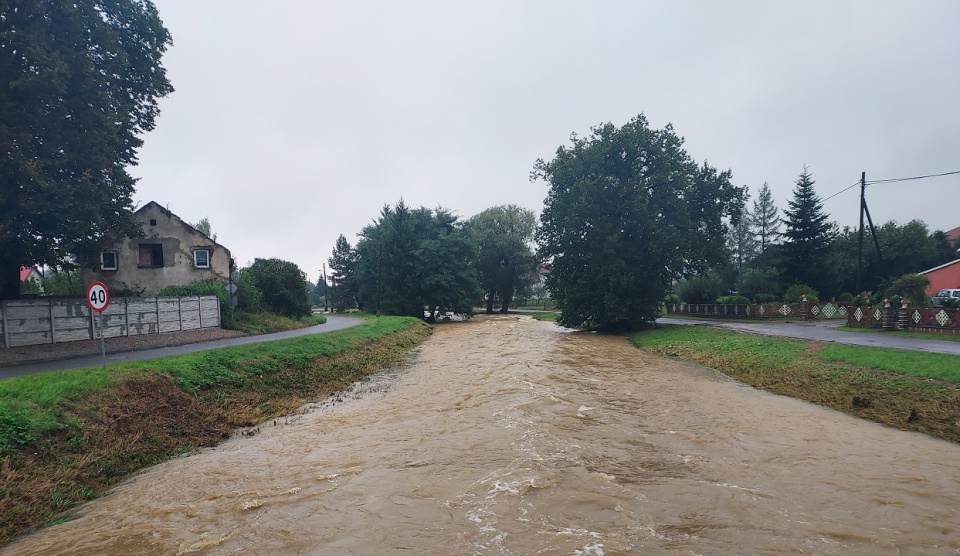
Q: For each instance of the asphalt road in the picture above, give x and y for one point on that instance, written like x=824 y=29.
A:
x=334 y=322
x=826 y=331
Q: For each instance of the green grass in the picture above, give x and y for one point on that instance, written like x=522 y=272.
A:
x=67 y=436
x=551 y=317
x=940 y=366
x=34 y=405
x=266 y=323
x=905 y=333
x=909 y=390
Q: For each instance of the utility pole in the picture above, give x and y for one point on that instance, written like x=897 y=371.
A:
x=873 y=232
x=326 y=292
x=863 y=187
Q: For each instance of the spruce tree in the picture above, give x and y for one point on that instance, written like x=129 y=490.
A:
x=763 y=218
x=807 y=238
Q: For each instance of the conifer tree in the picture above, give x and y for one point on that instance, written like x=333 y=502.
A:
x=763 y=218
x=807 y=237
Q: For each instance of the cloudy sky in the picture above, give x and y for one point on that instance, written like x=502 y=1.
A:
x=294 y=121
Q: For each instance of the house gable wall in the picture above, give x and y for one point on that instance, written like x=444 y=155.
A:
x=177 y=240
x=946 y=277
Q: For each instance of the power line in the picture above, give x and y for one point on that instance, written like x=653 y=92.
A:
x=856 y=183
x=913 y=178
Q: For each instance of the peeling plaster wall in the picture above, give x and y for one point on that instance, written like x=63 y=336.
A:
x=177 y=239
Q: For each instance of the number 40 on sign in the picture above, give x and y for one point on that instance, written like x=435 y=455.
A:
x=97 y=296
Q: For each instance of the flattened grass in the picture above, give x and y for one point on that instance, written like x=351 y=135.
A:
x=903 y=389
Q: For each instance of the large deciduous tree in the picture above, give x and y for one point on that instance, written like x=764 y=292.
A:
x=79 y=84
x=416 y=260
x=627 y=212
x=282 y=286
x=807 y=238
x=503 y=235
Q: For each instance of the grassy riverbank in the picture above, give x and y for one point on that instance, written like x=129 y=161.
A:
x=68 y=436
x=908 y=390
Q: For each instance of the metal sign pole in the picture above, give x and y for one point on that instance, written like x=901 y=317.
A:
x=103 y=346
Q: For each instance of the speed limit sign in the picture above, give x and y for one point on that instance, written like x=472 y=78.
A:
x=97 y=296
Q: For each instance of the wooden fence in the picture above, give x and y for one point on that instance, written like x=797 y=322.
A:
x=54 y=320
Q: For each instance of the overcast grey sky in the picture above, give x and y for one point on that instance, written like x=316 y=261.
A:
x=294 y=121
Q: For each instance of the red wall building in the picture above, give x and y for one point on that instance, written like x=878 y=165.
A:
x=943 y=277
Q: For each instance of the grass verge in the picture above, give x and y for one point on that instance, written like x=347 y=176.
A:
x=67 y=436
x=267 y=323
x=908 y=390
x=551 y=316
x=906 y=334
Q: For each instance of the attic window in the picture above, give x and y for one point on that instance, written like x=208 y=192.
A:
x=108 y=260
x=201 y=258
x=151 y=255
x=153 y=221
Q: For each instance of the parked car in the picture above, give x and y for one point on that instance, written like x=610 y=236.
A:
x=946 y=298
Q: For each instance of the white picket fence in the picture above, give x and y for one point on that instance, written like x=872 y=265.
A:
x=55 y=320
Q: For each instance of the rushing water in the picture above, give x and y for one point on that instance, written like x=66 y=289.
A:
x=506 y=435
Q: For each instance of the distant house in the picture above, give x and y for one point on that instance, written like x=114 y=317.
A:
x=171 y=253
x=943 y=277
x=31 y=274
x=954 y=237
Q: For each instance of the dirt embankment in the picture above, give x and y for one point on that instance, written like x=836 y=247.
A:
x=146 y=419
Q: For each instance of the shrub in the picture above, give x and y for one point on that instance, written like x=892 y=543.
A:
x=795 y=293
x=764 y=298
x=754 y=281
x=282 y=285
x=734 y=300
x=845 y=297
x=912 y=287
x=699 y=289
x=200 y=287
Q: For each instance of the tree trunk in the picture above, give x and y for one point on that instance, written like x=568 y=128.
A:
x=506 y=301
x=490 y=302
x=9 y=278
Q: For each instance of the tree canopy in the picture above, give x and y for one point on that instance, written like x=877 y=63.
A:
x=416 y=260
x=628 y=211
x=503 y=235
x=281 y=286
x=80 y=84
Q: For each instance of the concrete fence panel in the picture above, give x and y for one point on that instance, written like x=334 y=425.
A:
x=55 y=320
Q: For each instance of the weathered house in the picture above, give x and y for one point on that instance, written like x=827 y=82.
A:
x=170 y=253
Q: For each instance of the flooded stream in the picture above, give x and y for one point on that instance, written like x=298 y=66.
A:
x=505 y=435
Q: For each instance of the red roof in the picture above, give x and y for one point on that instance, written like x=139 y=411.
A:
x=26 y=271
x=954 y=234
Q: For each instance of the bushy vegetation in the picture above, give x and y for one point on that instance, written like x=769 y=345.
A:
x=734 y=300
x=796 y=293
x=699 y=289
x=273 y=285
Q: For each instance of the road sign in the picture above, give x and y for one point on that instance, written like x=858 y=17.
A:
x=97 y=296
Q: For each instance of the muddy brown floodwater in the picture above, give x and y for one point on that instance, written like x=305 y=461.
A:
x=505 y=435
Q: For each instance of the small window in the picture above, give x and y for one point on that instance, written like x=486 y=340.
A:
x=201 y=258
x=151 y=255
x=108 y=260
x=153 y=222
